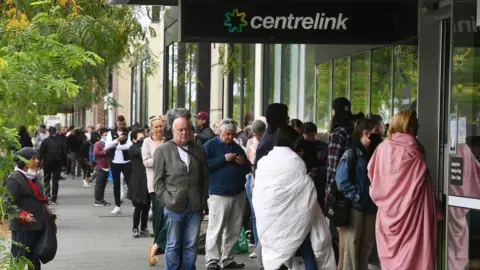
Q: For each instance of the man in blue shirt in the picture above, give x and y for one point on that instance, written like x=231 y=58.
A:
x=228 y=167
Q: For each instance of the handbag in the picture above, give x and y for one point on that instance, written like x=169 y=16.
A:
x=46 y=248
x=339 y=207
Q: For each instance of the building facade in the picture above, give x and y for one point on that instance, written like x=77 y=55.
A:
x=377 y=59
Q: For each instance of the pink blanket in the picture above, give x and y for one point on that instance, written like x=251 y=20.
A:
x=401 y=187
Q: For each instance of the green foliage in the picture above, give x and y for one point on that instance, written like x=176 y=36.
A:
x=51 y=53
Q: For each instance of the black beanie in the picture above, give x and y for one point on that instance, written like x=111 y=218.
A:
x=26 y=153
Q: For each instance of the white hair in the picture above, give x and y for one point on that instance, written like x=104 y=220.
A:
x=228 y=124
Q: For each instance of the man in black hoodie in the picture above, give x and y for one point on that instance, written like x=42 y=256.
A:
x=52 y=151
x=277 y=116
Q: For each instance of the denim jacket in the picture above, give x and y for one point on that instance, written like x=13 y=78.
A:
x=357 y=191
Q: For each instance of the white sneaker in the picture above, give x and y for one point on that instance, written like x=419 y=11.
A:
x=117 y=210
x=86 y=184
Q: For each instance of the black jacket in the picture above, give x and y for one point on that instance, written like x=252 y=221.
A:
x=74 y=143
x=22 y=198
x=53 y=151
x=25 y=140
x=137 y=187
x=204 y=135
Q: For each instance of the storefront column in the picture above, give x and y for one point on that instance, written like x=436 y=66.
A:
x=258 y=94
x=216 y=93
x=204 y=67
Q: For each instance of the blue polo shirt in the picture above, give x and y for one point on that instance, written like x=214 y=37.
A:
x=227 y=178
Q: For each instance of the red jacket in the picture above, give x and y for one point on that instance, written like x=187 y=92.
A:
x=101 y=158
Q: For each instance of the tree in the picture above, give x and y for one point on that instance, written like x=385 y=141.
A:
x=57 y=52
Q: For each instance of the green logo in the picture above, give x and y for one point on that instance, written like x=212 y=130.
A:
x=235 y=21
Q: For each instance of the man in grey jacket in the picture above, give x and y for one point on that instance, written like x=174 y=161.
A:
x=181 y=182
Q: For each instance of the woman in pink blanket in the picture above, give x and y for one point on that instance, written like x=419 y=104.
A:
x=401 y=187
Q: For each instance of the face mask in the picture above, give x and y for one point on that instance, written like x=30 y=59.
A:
x=140 y=142
x=375 y=140
x=31 y=173
x=104 y=138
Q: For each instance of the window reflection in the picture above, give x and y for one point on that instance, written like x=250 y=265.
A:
x=322 y=113
x=341 y=77
x=360 y=82
x=381 y=82
x=463 y=238
x=406 y=76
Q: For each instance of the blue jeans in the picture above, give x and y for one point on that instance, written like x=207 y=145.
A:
x=248 y=190
x=182 y=236
x=307 y=254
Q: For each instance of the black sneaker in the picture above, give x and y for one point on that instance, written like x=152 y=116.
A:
x=106 y=203
x=136 y=233
x=213 y=266
x=145 y=233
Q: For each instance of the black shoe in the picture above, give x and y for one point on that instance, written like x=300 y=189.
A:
x=99 y=203
x=234 y=265
x=145 y=233
x=213 y=266
x=136 y=233
x=106 y=203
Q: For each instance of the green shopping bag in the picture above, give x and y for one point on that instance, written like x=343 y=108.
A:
x=242 y=243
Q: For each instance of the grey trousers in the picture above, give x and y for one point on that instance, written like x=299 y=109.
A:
x=224 y=228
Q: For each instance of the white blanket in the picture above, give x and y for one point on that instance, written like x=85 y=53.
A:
x=286 y=210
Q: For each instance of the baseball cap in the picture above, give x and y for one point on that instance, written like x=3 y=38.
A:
x=202 y=115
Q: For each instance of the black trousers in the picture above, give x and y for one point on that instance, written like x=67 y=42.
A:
x=102 y=178
x=23 y=245
x=140 y=214
x=51 y=176
x=117 y=170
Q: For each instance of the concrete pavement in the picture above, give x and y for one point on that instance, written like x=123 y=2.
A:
x=90 y=238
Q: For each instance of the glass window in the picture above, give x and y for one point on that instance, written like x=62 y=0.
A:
x=172 y=75
x=249 y=89
x=341 y=77
x=360 y=83
x=134 y=93
x=406 y=76
x=286 y=63
x=191 y=77
x=322 y=113
x=309 y=103
x=381 y=83
x=244 y=82
x=144 y=93
x=237 y=82
x=465 y=106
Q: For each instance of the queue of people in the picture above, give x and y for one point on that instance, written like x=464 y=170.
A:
x=328 y=202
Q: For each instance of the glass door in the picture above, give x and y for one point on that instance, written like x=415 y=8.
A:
x=462 y=140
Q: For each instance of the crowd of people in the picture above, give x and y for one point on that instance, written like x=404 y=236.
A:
x=326 y=201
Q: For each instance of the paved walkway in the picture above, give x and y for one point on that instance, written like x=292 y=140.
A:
x=90 y=238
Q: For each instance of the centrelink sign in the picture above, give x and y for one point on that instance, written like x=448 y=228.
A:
x=320 y=21
x=250 y=21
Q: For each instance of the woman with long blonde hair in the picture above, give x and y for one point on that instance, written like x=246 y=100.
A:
x=401 y=187
x=148 y=149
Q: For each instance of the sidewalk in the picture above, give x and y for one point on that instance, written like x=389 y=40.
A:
x=90 y=238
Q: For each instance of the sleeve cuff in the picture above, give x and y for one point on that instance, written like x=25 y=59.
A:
x=22 y=216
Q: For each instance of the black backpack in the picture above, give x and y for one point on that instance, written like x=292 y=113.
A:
x=338 y=206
